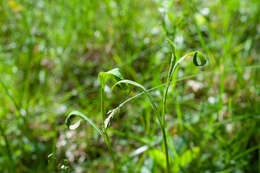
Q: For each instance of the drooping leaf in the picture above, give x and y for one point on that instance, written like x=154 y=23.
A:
x=103 y=77
x=133 y=83
x=81 y=115
x=130 y=82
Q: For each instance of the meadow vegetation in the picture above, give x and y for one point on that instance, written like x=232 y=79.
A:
x=130 y=86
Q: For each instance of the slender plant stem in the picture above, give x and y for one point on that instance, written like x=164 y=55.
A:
x=163 y=117
x=102 y=106
x=111 y=151
x=8 y=150
x=166 y=148
x=172 y=69
x=162 y=126
x=106 y=138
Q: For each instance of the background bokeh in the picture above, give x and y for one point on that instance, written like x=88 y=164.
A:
x=51 y=52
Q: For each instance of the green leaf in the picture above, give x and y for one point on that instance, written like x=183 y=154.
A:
x=199 y=59
x=181 y=162
x=158 y=156
x=185 y=158
x=131 y=83
x=103 y=77
x=81 y=115
x=172 y=46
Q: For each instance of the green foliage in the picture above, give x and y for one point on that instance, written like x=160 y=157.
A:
x=89 y=121
x=192 y=88
x=187 y=157
x=111 y=74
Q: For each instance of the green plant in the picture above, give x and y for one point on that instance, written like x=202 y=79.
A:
x=52 y=51
x=198 y=59
x=103 y=79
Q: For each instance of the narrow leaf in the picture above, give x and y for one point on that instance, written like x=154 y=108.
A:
x=81 y=115
x=172 y=45
x=131 y=83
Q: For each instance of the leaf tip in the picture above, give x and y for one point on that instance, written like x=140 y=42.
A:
x=199 y=59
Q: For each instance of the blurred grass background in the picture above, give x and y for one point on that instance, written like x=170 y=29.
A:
x=51 y=52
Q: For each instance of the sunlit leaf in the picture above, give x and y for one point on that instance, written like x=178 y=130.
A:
x=159 y=157
x=111 y=74
x=179 y=163
x=185 y=158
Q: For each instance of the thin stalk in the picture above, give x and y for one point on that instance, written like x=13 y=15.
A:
x=112 y=154
x=8 y=150
x=165 y=148
x=163 y=117
x=169 y=81
x=171 y=71
x=162 y=126
x=102 y=106
x=106 y=138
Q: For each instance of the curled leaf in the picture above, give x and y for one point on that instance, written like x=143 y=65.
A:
x=199 y=59
x=81 y=115
x=75 y=125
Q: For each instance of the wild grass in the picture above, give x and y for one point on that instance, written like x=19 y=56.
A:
x=160 y=113
x=198 y=59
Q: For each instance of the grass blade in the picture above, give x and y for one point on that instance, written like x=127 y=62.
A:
x=88 y=120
